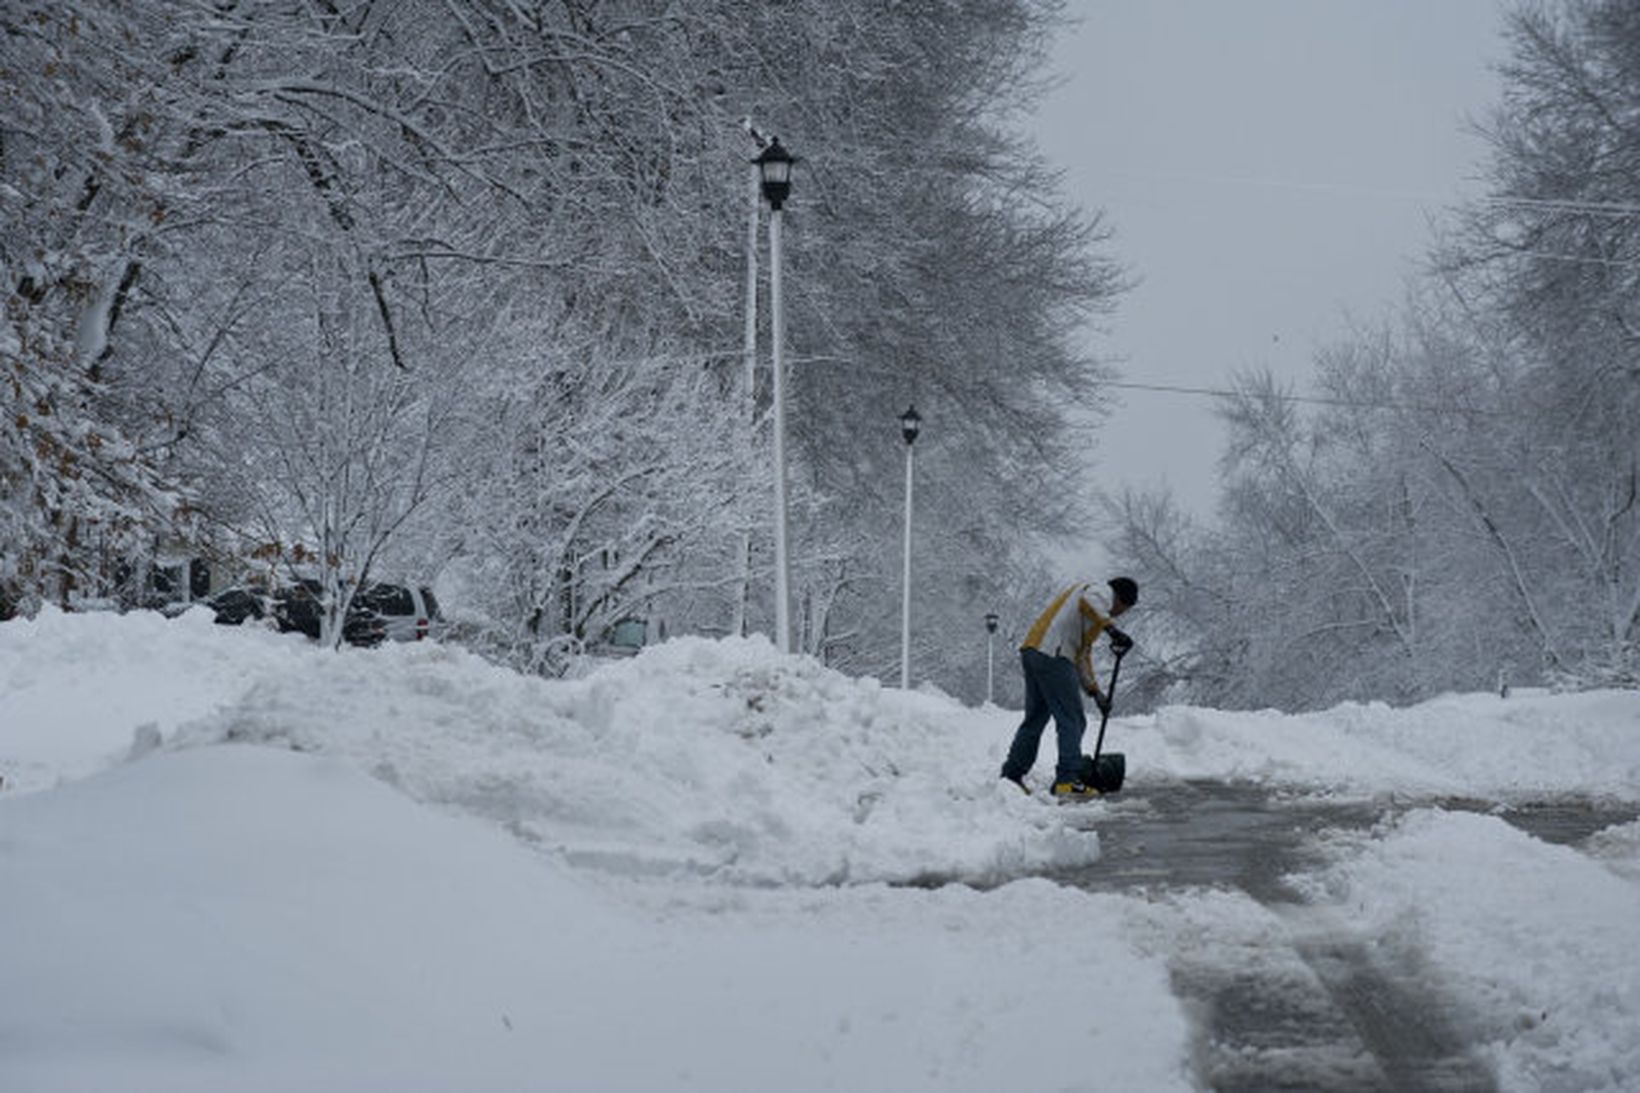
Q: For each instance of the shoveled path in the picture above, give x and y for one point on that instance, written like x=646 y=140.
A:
x=1329 y=1010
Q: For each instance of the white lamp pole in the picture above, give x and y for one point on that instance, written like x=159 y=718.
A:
x=990 y=654
x=910 y=424
x=776 y=164
x=749 y=353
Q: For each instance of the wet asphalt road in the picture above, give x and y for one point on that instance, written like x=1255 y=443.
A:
x=1331 y=1011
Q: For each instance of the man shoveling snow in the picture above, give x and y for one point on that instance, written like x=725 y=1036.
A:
x=1057 y=659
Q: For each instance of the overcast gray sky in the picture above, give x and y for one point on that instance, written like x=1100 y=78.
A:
x=1270 y=168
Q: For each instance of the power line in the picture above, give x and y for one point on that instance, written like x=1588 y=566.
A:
x=1317 y=400
x=1345 y=189
x=1567 y=205
x=1587 y=259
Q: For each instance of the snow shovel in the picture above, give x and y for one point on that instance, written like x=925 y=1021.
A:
x=1106 y=772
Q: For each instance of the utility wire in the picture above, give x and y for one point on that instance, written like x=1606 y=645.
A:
x=1568 y=205
x=1590 y=260
x=1342 y=189
x=1360 y=404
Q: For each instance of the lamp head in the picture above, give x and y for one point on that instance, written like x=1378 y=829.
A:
x=775 y=165
x=910 y=424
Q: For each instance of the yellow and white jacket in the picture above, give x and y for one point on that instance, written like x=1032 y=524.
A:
x=1070 y=626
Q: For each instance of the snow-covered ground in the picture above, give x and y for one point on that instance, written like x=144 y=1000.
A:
x=231 y=861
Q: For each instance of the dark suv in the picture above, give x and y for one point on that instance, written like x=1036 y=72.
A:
x=379 y=612
x=299 y=607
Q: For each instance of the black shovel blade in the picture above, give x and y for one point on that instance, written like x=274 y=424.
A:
x=1107 y=772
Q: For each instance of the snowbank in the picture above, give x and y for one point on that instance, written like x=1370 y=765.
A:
x=720 y=759
x=1537 y=940
x=75 y=688
x=231 y=860
x=255 y=919
x=1530 y=745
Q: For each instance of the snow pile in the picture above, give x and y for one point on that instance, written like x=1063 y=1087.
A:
x=1531 y=744
x=255 y=919
x=709 y=758
x=74 y=689
x=231 y=860
x=1537 y=940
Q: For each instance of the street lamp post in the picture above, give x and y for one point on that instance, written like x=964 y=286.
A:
x=990 y=653
x=775 y=164
x=743 y=596
x=910 y=425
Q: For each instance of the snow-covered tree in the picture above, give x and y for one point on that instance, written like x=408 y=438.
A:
x=310 y=262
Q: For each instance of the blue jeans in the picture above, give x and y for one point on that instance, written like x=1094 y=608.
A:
x=1052 y=686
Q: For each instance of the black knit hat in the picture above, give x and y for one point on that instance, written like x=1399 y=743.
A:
x=1125 y=590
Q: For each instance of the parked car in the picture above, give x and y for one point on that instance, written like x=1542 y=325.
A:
x=626 y=638
x=402 y=612
x=234 y=605
x=297 y=607
x=379 y=613
x=293 y=607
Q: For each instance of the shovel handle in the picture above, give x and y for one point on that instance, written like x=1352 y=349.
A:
x=1110 y=699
